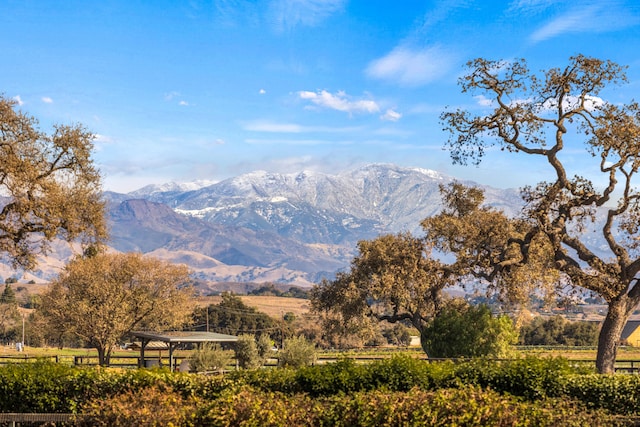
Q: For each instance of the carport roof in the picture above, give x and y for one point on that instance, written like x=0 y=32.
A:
x=184 y=336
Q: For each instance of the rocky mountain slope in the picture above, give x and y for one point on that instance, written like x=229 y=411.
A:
x=287 y=228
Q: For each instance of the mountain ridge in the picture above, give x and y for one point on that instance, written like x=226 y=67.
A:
x=294 y=228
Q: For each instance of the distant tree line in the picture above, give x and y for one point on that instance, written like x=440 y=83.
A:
x=557 y=330
x=271 y=290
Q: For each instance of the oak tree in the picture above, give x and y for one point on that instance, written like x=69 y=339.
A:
x=543 y=115
x=49 y=187
x=402 y=278
x=102 y=298
x=393 y=279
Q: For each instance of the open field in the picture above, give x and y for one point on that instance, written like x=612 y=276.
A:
x=271 y=305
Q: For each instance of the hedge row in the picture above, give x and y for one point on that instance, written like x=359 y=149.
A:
x=468 y=406
x=49 y=387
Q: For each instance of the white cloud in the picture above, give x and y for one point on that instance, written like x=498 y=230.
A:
x=288 y=14
x=595 y=18
x=47 y=100
x=412 y=67
x=219 y=141
x=169 y=96
x=572 y=102
x=183 y=103
x=255 y=141
x=262 y=91
x=265 y=126
x=102 y=138
x=530 y=6
x=18 y=100
x=275 y=127
x=340 y=101
x=391 y=116
x=483 y=101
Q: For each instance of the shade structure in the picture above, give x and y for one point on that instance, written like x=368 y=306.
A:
x=174 y=338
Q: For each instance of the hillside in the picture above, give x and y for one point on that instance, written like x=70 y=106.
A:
x=290 y=229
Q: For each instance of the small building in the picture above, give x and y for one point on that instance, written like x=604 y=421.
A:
x=631 y=333
x=174 y=338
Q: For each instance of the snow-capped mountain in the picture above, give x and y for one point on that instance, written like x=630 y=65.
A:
x=287 y=228
x=293 y=228
x=323 y=208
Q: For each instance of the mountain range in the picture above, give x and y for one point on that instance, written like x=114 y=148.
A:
x=269 y=227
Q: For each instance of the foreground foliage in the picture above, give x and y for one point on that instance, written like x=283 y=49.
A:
x=397 y=391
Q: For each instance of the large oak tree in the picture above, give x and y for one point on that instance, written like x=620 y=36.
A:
x=102 y=298
x=49 y=187
x=403 y=278
x=541 y=115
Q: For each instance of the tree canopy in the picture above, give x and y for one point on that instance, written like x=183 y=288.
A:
x=232 y=316
x=393 y=278
x=542 y=115
x=51 y=187
x=102 y=298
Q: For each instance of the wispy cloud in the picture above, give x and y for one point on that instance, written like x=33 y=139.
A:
x=594 y=18
x=103 y=139
x=46 y=100
x=262 y=91
x=174 y=95
x=391 y=116
x=276 y=127
x=288 y=14
x=171 y=95
x=340 y=101
x=530 y=6
x=18 y=100
x=412 y=67
x=279 y=141
x=483 y=101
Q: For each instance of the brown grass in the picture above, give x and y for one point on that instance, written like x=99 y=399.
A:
x=273 y=306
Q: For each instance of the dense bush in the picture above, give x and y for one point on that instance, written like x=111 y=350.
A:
x=556 y=330
x=464 y=330
x=247 y=353
x=469 y=406
x=297 y=352
x=157 y=405
x=395 y=391
x=211 y=358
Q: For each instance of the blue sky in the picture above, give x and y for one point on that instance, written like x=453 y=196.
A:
x=205 y=90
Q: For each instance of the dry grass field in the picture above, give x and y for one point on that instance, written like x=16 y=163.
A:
x=273 y=306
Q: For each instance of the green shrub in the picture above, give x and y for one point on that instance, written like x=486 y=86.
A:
x=42 y=386
x=156 y=405
x=464 y=330
x=526 y=386
x=210 y=358
x=530 y=377
x=467 y=406
x=297 y=352
x=247 y=352
x=619 y=393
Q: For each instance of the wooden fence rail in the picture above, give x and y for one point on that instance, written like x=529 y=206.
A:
x=133 y=361
x=37 y=418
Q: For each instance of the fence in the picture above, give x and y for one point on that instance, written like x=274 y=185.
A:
x=628 y=366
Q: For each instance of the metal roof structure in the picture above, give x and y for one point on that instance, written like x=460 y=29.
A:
x=174 y=338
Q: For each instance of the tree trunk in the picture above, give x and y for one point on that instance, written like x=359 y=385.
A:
x=101 y=355
x=104 y=355
x=609 y=337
